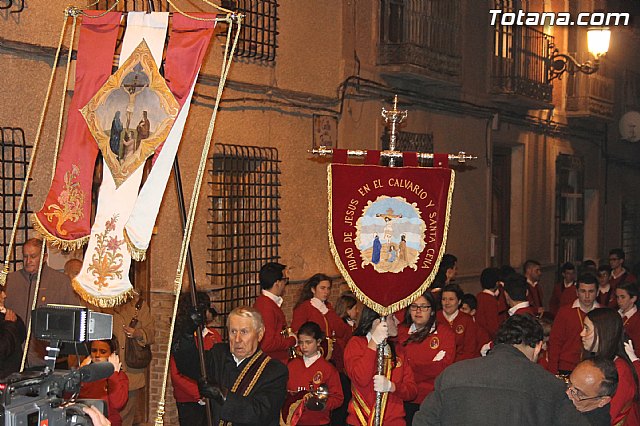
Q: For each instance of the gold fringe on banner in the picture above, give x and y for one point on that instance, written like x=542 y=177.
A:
x=103 y=302
x=136 y=253
x=401 y=304
x=68 y=245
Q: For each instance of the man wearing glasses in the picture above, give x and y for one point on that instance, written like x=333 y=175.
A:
x=277 y=339
x=591 y=386
x=619 y=273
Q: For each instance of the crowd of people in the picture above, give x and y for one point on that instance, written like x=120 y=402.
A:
x=502 y=356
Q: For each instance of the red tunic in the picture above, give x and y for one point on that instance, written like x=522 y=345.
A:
x=622 y=404
x=607 y=299
x=321 y=371
x=632 y=328
x=114 y=390
x=274 y=343
x=487 y=313
x=561 y=296
x=185 y=389
x=529 y=310
x=331 y=324
x=466 y=335
x=360 y=365
x=565 y=344
x=535 y=296
x=626 y=277
x=420 y=357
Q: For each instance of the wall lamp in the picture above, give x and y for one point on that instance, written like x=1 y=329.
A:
x=598 y=44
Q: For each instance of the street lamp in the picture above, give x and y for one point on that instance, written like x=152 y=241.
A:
x=598 y=44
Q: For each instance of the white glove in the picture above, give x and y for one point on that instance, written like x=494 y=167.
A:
x=380 y=331
x=485 y=349
x=439 y=356
x=631 y=353
x=319 y=305
x=382 y=384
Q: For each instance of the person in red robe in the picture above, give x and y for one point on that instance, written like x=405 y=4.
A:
x=606 y=293
x=564 y=291
x=565 y=345
x=313 y=305
x=619 y=274
x=469 y=306
x=429 y=346
x=532 y=271
x=306 y=374
x=515 y=289
x=277 y=341
x=603 y=337
x=488 y=310
x=627 y=298
x=115 y=388
x=462 y=324
x=397 y=383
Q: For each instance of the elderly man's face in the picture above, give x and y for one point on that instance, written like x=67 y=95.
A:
x=31 y=258
x=584 y=388
x=243 y=337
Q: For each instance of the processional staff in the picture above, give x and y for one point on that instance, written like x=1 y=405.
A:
x=393 y=118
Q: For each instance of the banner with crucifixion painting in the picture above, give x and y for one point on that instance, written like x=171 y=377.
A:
x=388 y=229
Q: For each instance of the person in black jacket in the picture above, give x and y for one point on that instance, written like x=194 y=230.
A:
x=245 y=386
x=12 y=335
x=506 y=387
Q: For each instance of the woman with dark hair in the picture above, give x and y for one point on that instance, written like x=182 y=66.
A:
x=462 y=324
x=313 y=305
x=115 y=388
x=627 y=298
x=306 y=374
x=429 y=346
x=446 y=272
x=397 y=383
x=191 y=412
x=603 y=337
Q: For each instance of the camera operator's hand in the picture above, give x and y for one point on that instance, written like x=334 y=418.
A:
x=97 y=418
x=212 y=391
x=115 y=360
x=86 y=361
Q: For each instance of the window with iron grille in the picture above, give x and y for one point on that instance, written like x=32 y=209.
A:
x=243 y=222
x=569 y=208
x=259 y=29
x=520 y=57
x=15 y=158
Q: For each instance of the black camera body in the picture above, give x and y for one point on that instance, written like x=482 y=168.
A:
x=38 y=398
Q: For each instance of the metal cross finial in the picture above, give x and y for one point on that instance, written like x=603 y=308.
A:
x=394 y=117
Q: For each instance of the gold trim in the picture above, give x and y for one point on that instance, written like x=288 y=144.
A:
x=104 y=301
x=136 y=253
x=3 y=277
x=292 y=410
x=401 y=304
x=55 y=241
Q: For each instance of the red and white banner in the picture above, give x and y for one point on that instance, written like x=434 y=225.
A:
x=388 y=229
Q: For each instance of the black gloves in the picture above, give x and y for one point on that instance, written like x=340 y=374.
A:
x=212 y=391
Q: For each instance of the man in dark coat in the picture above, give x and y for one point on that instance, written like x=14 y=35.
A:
x=504 y=388
x=245 y=386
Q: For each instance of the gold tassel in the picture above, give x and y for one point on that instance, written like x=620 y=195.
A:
x=104 y=301
x=136 y=253
x=3 y=277
x=160 y=413
x=68 y=245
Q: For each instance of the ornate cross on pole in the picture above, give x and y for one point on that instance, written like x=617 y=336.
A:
x=393 y=118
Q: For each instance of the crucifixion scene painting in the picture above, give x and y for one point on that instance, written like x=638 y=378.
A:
x=131 y=114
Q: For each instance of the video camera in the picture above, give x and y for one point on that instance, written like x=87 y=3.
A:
x=36 y=398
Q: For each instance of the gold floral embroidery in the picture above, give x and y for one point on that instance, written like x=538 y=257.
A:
x=106 y=261
x=71 y=200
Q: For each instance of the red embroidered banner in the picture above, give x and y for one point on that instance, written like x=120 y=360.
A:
x=388 y=230
x=64 y=218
